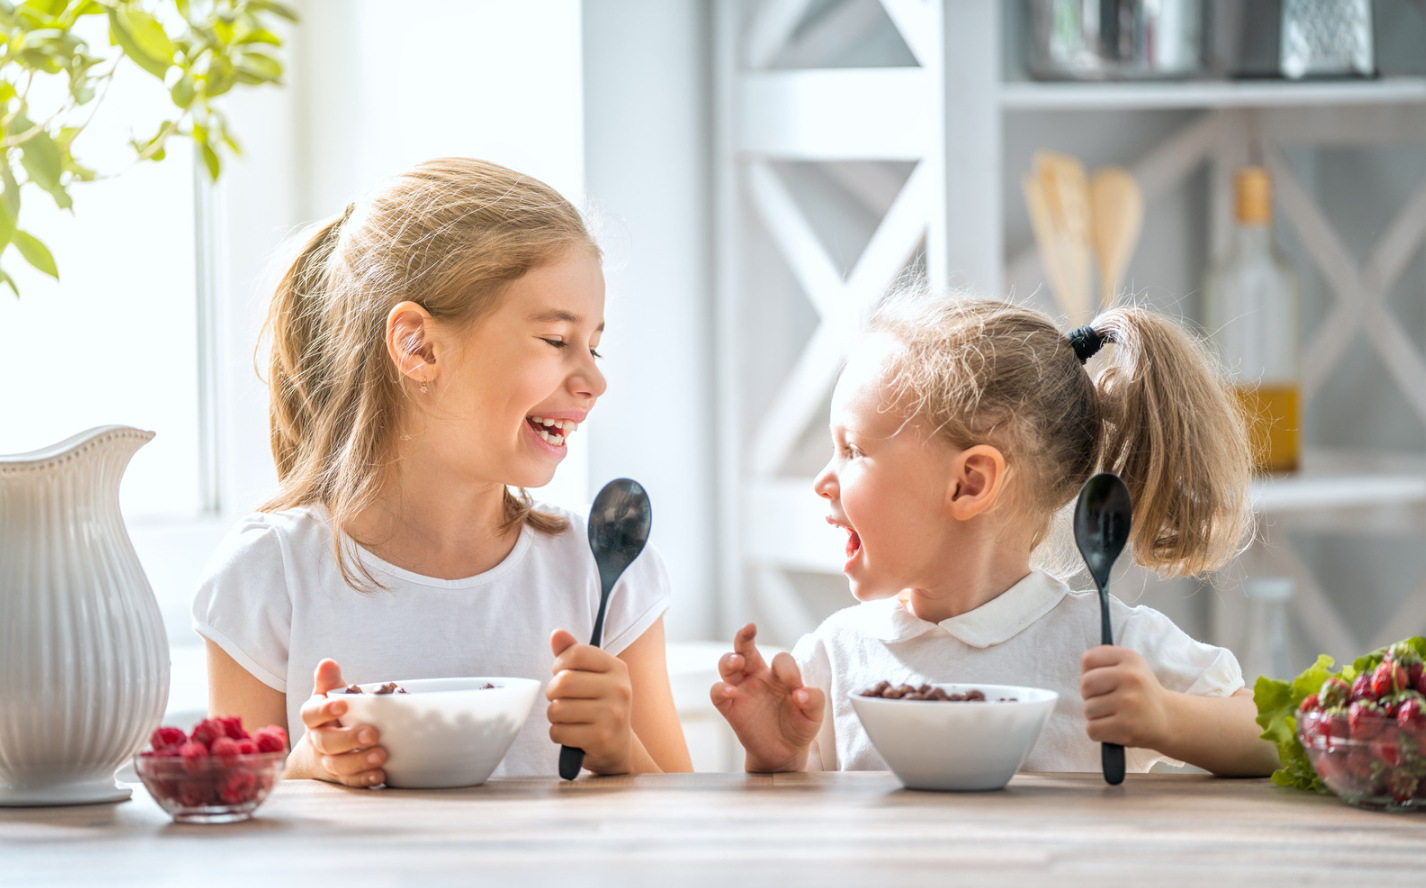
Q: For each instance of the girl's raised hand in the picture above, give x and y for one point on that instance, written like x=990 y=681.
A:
x=334 y=752
x=1123 y=700
x=773 y=714
x=591 y=699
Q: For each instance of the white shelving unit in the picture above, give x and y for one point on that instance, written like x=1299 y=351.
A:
x=946 y=115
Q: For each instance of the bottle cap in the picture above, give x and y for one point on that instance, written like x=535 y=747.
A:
x=1269 y=589
x=1253 y=190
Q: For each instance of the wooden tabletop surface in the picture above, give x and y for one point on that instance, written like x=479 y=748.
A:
x=856 y=829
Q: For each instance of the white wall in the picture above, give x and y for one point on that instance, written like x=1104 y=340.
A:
x=647 y=135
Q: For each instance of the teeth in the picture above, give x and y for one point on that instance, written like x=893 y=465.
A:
x=548 y=422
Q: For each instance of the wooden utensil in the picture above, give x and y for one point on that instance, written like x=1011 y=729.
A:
x=1101 y=529
x=1066 y=190
x=1117 y=213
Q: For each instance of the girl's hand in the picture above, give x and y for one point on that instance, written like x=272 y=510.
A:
x=1123 y=701
x=331 y=751
x=774 y=716
x=590 y=702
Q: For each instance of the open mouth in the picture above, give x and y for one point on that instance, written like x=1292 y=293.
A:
x=854 y=543
x=552 y=431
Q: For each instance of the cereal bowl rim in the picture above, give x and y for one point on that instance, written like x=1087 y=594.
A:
x=512 y=683
x=1042 y=695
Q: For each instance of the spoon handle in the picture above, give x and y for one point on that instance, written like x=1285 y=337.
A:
x=572 y=759
x=1111 y=758
x=1111 y=755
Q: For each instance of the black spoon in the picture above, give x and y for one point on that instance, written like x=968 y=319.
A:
x=1101 y=528
x=619 y=525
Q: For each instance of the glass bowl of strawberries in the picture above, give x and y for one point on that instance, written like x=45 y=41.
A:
x=219 y=773
x=1367 y=739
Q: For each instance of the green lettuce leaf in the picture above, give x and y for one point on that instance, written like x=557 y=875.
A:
x=1278 y=702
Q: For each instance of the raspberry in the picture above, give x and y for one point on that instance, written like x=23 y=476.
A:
x=233 y=727
x=195 y=756
x=1364 y=716
x=239 y=786
x=1388 y=678
x=208 y=730
x=1310 y=704
x=171 y=751
x=195 y=792
x=167 y=736
x=1387 y=748
x=1334 y=693
x=226 y=749
x=247 y=747
x=271 y=739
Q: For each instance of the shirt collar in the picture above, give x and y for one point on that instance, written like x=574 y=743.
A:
x=998 y=620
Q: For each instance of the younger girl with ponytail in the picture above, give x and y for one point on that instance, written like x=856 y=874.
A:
x=432 y=348
x=961 y=428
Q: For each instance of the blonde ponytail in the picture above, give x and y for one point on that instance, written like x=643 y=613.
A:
x=1177 y=436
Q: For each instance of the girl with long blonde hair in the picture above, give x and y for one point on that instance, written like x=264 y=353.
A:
x=433 y=347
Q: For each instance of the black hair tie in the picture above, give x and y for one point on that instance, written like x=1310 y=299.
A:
x=1086 y=342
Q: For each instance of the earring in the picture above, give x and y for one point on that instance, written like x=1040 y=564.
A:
x=423 y=386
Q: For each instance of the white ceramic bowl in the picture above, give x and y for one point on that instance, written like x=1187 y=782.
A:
x=443 y=732
x=932 y=744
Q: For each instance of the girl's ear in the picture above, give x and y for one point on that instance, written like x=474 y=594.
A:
x=977 y=474
x=410 y=341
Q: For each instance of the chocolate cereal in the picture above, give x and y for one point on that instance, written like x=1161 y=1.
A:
x=888 y=691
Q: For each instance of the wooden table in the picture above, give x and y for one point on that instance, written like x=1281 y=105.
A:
x=730 y=830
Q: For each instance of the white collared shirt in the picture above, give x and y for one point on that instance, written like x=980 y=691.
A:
x=1033 y=634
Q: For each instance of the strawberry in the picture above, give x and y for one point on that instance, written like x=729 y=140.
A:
x=1404 y=654
x=1362 y=687
x=1386 y=748
x=1334 y=693
x=1310 y=704
x=1364 y=717
x=1388 y=678
x=1359 y=764
x=1402 y=786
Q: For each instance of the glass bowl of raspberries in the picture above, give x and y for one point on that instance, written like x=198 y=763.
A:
x=1367 y=739
x=217 y=774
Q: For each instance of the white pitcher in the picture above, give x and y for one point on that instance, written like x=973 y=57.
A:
x=83 y=655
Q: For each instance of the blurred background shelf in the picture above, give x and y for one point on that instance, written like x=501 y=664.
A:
x=1030 y=96
x=1343 y=480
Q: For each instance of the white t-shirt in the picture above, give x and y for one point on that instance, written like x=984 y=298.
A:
x=273 y=599
x=1033 y=634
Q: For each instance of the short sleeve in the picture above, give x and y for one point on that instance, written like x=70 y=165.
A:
x=243 y=604
x=1179 y=662
x=810 y=654
x=636 y=602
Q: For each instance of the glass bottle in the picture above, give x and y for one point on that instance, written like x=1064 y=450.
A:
x=1252 y=310
x=1265 y=648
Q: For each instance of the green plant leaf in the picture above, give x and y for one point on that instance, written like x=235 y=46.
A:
x=148 y=34
x=263 y=68
x=12 y=191
x=183 y=91
x=258 y=35
x=35 y=252
x=39 y=154
x=6 y=279
x=120 y=36
x=210 y=160
x=273 y=6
